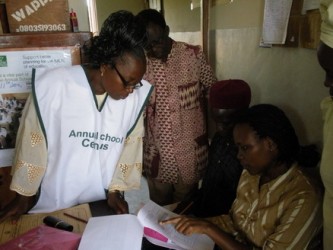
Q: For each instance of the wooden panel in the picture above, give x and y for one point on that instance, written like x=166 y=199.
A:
x=205 y=26
x=3 y=18
x=34 y=40
x=38 y=15
x=293 y=30
x=296 y=7
x=292 y=39
x=28 y=40
x=310 y=30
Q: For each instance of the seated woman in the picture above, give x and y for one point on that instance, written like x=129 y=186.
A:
x=277 y=206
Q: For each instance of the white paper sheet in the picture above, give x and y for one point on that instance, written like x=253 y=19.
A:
x=276 y=17
x=15 y=79
x=119 y=232
x=125 y=232
x=152 y=214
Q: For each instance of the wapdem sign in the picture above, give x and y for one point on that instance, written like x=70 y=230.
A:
x=38 y=15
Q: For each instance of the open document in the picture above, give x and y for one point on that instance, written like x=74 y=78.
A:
x=125 y=232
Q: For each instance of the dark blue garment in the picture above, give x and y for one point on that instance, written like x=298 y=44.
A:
x=220 y=181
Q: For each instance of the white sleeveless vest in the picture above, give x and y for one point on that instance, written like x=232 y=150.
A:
x=84 y=143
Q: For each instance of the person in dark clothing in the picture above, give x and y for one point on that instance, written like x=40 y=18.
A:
x=219 y=184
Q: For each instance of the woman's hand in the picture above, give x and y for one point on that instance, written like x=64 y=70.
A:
x=188 y=225
x=18 y=206
x=117 y=202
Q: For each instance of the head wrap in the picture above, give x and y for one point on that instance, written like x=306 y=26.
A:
x=230 y=94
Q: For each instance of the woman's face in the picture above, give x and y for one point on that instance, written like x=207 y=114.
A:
x=122 y=79
x=255 y=154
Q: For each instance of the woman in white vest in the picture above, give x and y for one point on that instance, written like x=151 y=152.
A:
x=70 y=147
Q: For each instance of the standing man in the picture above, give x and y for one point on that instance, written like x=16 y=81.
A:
x=176 y=142
x=325 y=58
x=219 y=185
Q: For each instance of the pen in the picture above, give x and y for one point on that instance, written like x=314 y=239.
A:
x=186 y=208
x=76 y=218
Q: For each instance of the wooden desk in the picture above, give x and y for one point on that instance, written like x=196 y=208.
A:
x=50 y=39
x=101 y=208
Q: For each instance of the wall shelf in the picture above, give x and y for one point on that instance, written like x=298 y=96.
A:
x=27 y=40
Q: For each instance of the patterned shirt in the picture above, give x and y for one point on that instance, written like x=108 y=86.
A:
x=284 y=213
x=176 y=139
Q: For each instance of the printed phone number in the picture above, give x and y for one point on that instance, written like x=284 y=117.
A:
x=41 y=27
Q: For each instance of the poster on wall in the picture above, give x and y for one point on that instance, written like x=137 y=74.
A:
x=275 y=23
x=15 y=85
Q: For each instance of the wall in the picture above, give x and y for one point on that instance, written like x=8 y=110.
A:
x=184 y=23
x=180 y=17
x=80 y=7
x=106 y=7
x=288 y=77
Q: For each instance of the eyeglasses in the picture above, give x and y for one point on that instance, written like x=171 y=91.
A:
x=125 y=83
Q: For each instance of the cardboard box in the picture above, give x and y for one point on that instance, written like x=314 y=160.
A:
x=38 y=15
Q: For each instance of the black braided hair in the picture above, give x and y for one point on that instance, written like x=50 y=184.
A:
x=270 y=121
x=121 y=33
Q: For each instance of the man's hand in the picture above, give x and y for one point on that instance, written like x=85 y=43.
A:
x=18 y=206
x=117 y=202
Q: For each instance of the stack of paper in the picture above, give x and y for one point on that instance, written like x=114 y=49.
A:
x=125 y=232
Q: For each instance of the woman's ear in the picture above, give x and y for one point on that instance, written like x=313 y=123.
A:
x=271 y=145
x=102 y=69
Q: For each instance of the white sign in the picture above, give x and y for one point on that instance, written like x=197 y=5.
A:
x=15 y=86
x=275 y=24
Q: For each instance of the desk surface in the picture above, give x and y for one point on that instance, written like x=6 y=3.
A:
x=101 y=208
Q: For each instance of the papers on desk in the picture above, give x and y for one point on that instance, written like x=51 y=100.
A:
x=125 y=232
x=9 y=230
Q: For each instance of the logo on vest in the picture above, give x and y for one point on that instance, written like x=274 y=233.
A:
x=89 y=139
